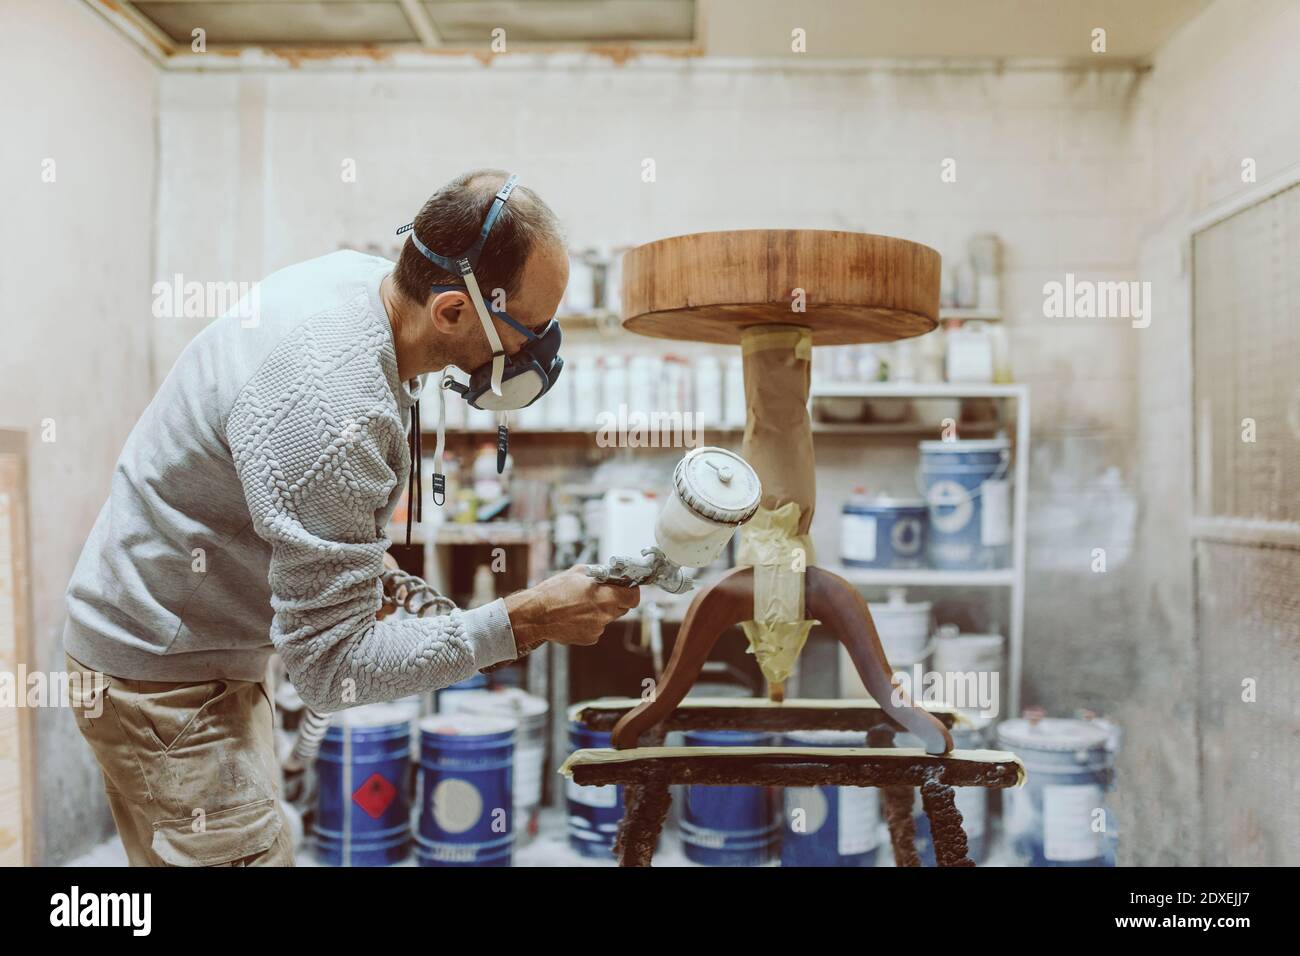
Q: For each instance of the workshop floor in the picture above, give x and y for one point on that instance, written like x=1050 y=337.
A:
x=551 y=848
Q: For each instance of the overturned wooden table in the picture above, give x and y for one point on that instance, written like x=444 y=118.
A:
x=777 y=294
x=646 y=773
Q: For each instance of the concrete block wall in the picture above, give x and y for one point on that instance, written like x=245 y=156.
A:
x=1221 y=91
x=75 y=274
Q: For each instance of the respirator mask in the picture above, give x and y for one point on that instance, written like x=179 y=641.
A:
x=503 y=384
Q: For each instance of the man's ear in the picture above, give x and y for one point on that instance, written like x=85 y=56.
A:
x=449 y=311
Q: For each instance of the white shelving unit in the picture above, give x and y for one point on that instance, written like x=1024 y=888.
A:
x=1012 y=577
x=970 y=315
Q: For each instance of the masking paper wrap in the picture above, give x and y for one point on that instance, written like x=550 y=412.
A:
x=778 y=444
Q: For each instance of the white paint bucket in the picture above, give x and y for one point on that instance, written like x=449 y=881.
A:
x=628 y=521
x=971 y=668
x=851 y=685
x=904 y=631
x=965 y=653
x=1061 y=816
x=904 y=628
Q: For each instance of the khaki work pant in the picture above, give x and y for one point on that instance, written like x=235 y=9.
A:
x=189 y=769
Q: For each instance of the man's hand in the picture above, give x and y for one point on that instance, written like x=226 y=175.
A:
x=570 y=608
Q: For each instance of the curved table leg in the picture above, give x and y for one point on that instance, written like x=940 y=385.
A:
x=837 y=604
x=831 y=600
x=726 y=602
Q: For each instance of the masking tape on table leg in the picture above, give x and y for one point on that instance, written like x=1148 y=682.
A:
x=780 y=557
x=785 y=337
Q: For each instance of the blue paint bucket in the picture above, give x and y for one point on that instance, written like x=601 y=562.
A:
x=830 y=826
x=466 y=777
x=969 y=500
x=883 y=532
x=594 y=813
x=529 y=713
x=363 y=810
x=445 y=699
x=730 y=826
x=1061 y=817
x=973 y=802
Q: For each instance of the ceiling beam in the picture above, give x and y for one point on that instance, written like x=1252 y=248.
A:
x=421 y=23
x=138 y=28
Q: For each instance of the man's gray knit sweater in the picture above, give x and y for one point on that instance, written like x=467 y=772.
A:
x=248 y=511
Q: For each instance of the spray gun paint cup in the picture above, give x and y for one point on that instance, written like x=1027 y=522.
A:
x=715 y=491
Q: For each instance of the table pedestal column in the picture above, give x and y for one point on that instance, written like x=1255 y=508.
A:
x=778 y=444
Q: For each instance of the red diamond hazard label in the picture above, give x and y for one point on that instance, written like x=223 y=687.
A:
x=375 y=795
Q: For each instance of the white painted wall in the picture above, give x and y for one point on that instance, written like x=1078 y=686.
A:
x=75 y=274
x=251 y=181
x=1222 y=90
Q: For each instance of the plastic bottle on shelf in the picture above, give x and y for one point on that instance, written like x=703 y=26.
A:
x=708 y=390
x=947 y=287
x=966 y=291
x=485 y=588
x=643 y=375
x=930 y=361
x=612 y=300
x=613 y=384
x=734 y=404
x=868 y=364
x=586 y=387
x=846 y=363
x=488 y=484
x=675 y=391
x=557 y=404
x=970 y=353
x=580 y=294
x=1001 y=354
x=903 y=368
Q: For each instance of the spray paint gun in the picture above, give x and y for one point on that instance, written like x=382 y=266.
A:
x=715 y=491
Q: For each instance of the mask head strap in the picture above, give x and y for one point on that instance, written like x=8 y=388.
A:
x=463 y=265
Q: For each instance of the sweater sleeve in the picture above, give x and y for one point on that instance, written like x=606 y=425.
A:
x=316 y=491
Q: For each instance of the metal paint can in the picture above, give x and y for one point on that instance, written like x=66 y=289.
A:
x=830 y=826
x=730 y=826
x=594 y=813
x=529 y=712
x=363 y=810
x=466 y=777
x=444 y=699
x=1061 y=816
x=904 y=631
x=968 y=496
x=883 y=532
x=965 y=658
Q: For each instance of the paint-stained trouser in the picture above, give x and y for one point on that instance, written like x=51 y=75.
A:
x=189 y=769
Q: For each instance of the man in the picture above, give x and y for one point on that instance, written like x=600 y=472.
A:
x=248 y=514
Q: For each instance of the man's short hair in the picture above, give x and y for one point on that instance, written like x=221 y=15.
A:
x=450 y=222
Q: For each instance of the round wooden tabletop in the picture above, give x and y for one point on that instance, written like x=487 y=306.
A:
x=847 y=287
